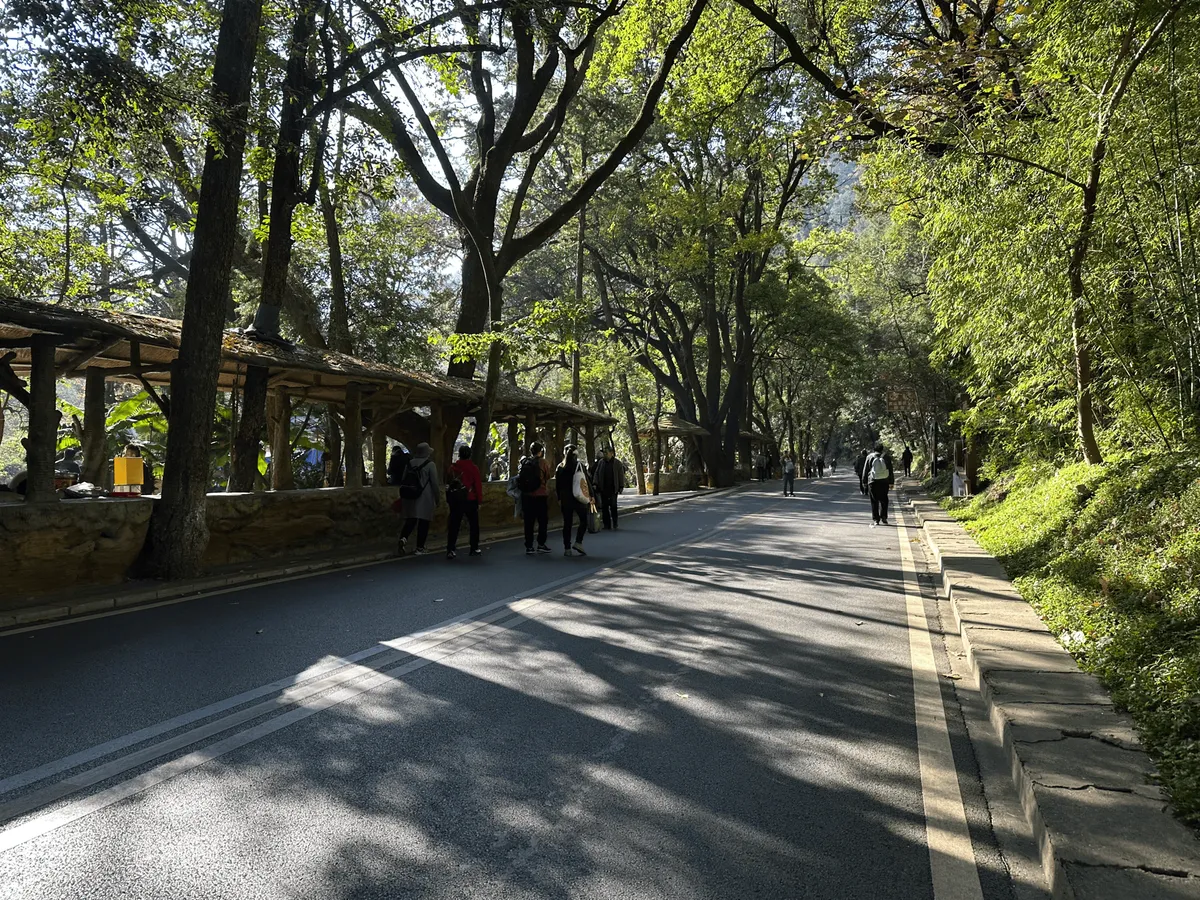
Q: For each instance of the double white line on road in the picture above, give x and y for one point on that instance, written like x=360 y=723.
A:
x=301 y=697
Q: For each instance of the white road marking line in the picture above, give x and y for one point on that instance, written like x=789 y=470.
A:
x=951 y=853
x=306 y=705
x=57 y=767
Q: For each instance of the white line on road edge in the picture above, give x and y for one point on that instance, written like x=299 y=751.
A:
x=951 y=854
x=326 y=692
x=320 y=670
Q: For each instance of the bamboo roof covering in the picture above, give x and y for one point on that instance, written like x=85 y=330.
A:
x=672 y=425
x=141 y=348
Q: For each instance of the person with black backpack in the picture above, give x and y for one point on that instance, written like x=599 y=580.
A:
x=421 y=495
x=533 y=474
x=878 y=477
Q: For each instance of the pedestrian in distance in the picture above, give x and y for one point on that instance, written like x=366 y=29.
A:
x=533 y=476
x=421 y=495
x=860 y=463
x=574 y=499
x=609 y=481
x=464 y=491
x=832 y=465
x=789 y=476
x=878 y=476
x=906 y=458
x=820 y=466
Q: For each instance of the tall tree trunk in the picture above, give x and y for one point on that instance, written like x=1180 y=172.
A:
x=333 y=449
x=282 y=478
x=285 y=195
x=42 y=438
x=354 y=437
x=339 y=316
x=178 y=530
x=285 y=179
x=247 y=444
x=580 y=236
x=94 y=414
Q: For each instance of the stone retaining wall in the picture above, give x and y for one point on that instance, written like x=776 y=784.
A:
x=46 y=547
x=50 y=549
x=1103 y=826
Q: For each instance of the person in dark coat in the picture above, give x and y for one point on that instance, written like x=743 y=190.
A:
x=879 y=476
x=906 y=459
x=574 y=498
x=397 y=463
x=859 y=463
x=609 y=481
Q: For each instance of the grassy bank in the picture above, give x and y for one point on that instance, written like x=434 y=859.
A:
x=1110 y=558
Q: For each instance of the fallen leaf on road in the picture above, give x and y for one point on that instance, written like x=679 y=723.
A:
x=952 y=675
x=260 y=631
x=858 y=623
x=439 y=599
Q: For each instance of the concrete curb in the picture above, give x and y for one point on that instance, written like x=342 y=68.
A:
x=1104 y=828
x=121 y=596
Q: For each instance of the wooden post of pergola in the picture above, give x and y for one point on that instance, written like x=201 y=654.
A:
x=42 y=440
x=282 y=478
x=95 y=460
x=514 y=449
x=560 y=437
x=589 y=440
x=354 y=454
x=437 y=438
x=531 y=434
x=379 y=453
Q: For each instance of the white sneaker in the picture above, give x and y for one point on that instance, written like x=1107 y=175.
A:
x=578 y=548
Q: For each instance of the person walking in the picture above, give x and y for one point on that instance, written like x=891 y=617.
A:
x=464 y=491
x=574 y=499
x=421 y=492
x=533 y=476
x=832 y=465
x=397 y=465
x=878 y=477
x=789 y=476
x=609 y=480
x=860 y=463
x=820 y=466
x=906 y=458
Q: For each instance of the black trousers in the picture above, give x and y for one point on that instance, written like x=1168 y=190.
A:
x=574 y=509
x=789 y=483
x=879 y=500
x=422 y=526
x=908 y=468
x=470 y=509
x=608 y=509
x=535 y=510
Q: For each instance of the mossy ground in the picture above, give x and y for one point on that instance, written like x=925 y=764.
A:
x=1109 y=556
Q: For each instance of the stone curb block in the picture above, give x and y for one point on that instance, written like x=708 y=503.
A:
x=1103 y=826
x=37 y=615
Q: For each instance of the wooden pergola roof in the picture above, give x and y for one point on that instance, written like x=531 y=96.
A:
x=672 y=425
x=141 y=348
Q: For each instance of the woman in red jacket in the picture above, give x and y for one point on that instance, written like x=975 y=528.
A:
x=464 y=490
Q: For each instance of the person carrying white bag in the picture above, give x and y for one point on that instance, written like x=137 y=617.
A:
x=574 y=499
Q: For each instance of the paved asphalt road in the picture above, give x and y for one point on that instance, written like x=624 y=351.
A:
x=717 y=702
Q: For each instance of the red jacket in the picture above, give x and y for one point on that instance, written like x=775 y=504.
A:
x=468 y=474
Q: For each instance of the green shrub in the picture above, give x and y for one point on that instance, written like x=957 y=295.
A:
x=1109 y=556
